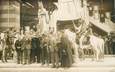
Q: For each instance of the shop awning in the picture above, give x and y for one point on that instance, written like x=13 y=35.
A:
x=103 y=26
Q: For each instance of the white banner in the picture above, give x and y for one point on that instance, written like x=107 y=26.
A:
x=68 y=10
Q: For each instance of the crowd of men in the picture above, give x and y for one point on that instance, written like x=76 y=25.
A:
x=32 y=47
x=55 y=49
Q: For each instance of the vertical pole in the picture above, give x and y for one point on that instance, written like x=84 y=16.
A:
x=17 y=14
x=8 y=13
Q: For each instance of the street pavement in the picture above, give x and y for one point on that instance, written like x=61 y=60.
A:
x=108 y=65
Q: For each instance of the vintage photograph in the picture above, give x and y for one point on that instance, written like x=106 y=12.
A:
x=57 y=35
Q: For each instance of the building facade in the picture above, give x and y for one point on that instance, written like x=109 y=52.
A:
x=9 y=14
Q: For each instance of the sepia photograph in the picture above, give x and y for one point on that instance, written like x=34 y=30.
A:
x=57 y=35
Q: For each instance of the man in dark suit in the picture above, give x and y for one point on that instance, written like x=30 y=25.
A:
x=18 y=44
x=35 y=50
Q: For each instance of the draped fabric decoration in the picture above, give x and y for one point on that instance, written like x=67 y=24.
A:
x=68 y=10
